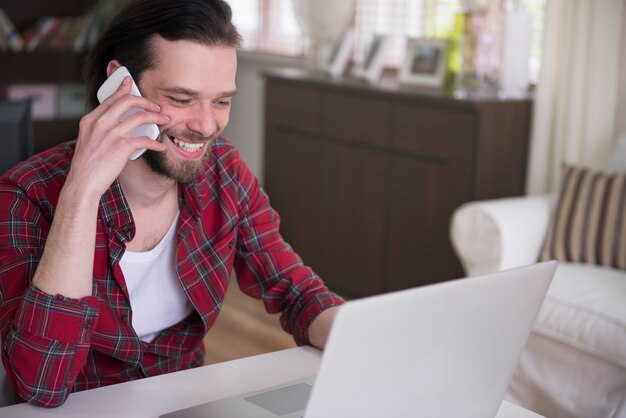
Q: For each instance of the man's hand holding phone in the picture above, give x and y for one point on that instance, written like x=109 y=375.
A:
x=121 y=127
x=109 y=87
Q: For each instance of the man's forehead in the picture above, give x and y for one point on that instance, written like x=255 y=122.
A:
x=192 y=68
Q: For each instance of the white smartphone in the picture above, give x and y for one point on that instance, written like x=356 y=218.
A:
x=109 y=87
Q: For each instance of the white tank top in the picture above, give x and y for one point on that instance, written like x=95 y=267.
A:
x=157 y=298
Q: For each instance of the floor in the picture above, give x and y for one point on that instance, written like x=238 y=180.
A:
x=244 y=329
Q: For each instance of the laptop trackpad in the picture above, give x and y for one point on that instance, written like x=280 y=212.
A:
x=283 y=401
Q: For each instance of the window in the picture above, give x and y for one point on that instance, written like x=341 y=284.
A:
x=401 y=19
x=269 y=25
x=537 y=10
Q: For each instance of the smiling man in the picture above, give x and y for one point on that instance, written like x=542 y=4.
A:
x=114 y=269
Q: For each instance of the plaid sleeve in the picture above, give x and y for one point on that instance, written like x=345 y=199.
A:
x=45 y=338
x=269 y=269
x=47 y=345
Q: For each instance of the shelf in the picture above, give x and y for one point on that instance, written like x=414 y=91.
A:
x=25 y=13
x=41 y=67
x=49 y=133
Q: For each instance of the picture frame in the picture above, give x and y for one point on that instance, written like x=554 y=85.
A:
x=340 y=54
x=372 y=67
x=424 y=63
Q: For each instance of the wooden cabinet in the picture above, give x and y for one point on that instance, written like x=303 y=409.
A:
x=366 y=177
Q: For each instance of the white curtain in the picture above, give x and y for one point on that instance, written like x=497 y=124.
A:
x=574 y=118
x=620 y=123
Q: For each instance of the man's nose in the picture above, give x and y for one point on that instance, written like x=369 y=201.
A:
x=203 y=121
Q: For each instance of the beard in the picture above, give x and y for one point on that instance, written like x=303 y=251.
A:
x=182 y=171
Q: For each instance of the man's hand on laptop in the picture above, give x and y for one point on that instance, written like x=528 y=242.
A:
x=320 y=327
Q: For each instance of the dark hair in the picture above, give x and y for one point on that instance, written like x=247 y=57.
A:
x=128 y=36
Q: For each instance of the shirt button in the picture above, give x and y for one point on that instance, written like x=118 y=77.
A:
x=125 y=318
x=87 y=324
x=231 y=245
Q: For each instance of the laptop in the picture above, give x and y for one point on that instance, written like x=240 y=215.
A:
x=442 y=350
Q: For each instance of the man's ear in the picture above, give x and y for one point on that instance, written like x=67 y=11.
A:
x=112 y=66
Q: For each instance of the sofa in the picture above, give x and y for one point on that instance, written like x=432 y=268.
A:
x=574 y=363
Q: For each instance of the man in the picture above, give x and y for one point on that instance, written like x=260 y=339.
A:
x=112 y=269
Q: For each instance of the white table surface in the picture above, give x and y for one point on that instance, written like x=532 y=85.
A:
x=153 y=396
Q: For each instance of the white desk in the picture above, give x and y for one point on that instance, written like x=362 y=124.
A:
x=154 y=396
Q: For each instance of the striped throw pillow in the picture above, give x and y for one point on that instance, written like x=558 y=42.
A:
x=589 y=225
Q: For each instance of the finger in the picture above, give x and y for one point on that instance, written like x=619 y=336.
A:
x=122 y=101
x=111 y=119
x=128 y=102
x=140 y=118
x=124 y=86
x=88 y=120
x=142 y=142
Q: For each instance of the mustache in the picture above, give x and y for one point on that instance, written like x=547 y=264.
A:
x=189 y=135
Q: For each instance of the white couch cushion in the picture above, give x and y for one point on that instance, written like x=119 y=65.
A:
x=586 y=308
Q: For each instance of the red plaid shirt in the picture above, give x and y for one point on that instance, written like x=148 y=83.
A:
x=53 y=345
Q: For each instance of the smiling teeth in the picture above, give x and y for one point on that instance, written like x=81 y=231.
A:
x=186 y=146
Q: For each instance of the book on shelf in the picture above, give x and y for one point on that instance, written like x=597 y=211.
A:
x=43 y=98
x=11 y=37
x=41 y=32
x=70 y=101
x=47 y=42
x=78 y=42
x=70 y=37
x=59 y=39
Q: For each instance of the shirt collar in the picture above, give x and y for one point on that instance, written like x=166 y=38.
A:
x=195 y=194
x=115 y=210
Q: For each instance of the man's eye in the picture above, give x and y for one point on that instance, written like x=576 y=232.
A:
x=223 y=103
x=179 y=101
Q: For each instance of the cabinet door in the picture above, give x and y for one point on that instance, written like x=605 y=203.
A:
x=353 y=220
x=292 y=181
x=423 y=195
x=361 y=120
x=435 y=132
x=331 y=201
